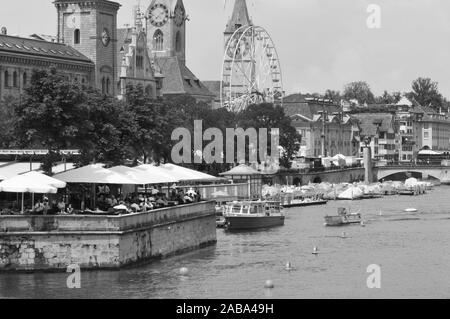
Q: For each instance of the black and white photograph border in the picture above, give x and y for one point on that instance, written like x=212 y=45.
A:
x=248 y=150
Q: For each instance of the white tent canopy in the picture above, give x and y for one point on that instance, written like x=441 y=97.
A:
x=143 y=176
x=186 y=174
x=159 y=174
x=429 y=152
x=44 y=179
x=26 y=184
x=94 y=174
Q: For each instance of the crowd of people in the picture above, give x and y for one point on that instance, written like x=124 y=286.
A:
x=108 y=203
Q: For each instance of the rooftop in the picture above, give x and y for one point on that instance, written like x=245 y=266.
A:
x=40 y=48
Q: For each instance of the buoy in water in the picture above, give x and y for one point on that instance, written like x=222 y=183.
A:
x=269 y=284
x=344 y=235
x=381 y=213
x=315 y=251
x=288 y=266
x=184 y=271
x=363 y=224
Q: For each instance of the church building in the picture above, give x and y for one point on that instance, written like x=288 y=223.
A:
x=90 y=49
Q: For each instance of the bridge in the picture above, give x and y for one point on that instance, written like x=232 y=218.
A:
x=354 y=174
x=439 y=172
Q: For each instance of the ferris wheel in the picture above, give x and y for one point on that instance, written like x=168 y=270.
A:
x=251 y=72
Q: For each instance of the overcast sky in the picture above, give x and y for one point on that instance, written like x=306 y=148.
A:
x=322 y=44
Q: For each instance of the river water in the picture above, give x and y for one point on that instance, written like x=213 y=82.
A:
x=412 y=250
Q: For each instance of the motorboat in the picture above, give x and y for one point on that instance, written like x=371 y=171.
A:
x=343 y=218
x=246 y=215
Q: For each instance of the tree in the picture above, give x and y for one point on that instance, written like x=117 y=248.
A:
x=151 y=121
x=269 y=116
x=7 y=122
x=56 y=114
x=426 y=93
x=359 y=91
x=388 y=98
x=333 y=95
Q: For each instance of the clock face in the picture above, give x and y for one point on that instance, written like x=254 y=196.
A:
x=158 y=15
x=238 y=49
x=106 y=39
x=180 y=15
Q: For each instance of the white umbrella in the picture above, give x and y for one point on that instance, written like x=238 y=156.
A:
x=26 y=184
x=41 y=178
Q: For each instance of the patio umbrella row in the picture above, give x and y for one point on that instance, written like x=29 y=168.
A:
x=32 y=182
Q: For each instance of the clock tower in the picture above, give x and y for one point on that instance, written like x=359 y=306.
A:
x=166 y=29
x=90 y=26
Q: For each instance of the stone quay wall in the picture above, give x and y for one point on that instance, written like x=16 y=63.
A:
x=52 y=243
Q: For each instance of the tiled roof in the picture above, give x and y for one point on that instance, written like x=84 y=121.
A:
x=308 y=109
x=40 y=48
x=383 y=120
x=178 y=79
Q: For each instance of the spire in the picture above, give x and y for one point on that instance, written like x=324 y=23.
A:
x=240 y=17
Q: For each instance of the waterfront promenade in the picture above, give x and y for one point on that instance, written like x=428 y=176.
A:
x=52 y=243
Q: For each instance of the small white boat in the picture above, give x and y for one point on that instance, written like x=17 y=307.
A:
x=411 y=210
x=343 y=218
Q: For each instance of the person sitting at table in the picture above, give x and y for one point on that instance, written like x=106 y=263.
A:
x=161 y=201
x=61 y=207
x=69 y=209
x=135 y=207
x=38 y=207
x=146 y=205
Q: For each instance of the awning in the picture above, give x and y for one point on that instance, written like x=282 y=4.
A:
x=94 y=174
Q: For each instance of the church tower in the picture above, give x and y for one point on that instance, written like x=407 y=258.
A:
x=239 y=18
x=166 y=29
x=90 y=26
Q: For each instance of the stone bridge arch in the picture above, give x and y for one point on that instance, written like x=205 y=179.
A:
x=435 y=173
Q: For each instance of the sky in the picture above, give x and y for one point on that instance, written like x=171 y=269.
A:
x=322 y=44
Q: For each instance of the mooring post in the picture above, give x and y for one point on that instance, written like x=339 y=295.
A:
x=368 y=165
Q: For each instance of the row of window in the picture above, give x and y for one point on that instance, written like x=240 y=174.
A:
x=12 y=80
x=158 y=41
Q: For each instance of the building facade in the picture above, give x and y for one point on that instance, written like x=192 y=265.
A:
x=325 y=129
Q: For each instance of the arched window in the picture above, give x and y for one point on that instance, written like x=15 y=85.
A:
x=25 y=79
x=103 y=85
x=15 y=79
x=178 y=45
x=107 y=85
x=7 y=79
x=76 y=36
x=158 y=40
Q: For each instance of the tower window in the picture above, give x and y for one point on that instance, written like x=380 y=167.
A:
x=107 y=86
x=7 y=79
x=178 y=42
x=158 y=40
x=76 y=36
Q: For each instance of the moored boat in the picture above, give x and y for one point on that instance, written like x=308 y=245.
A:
x=248 y=215
x=343 y=218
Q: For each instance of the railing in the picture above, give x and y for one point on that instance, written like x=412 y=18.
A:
x=86 y=224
